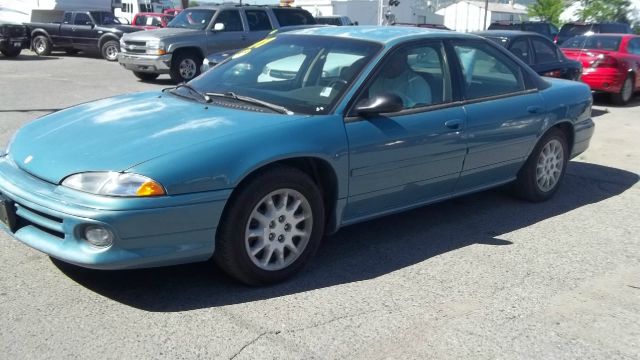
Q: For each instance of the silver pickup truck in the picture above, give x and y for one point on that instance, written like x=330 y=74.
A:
x=178 y=49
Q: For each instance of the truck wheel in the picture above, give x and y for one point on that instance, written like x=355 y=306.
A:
x=145 y=76
x=41 y=45
x=11 y=51
x=110 y=50
x=184 y=67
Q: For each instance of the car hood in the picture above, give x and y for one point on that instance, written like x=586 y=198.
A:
x=161 y=34
x=118 y=133
x=122 y=28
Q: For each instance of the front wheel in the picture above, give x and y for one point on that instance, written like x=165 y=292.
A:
x=110 y=50
x=41 y=45
x=145 y=76
x=543 y=171
x=271 y=228
x=626 y=92
x=11 y=51
x=184 y=67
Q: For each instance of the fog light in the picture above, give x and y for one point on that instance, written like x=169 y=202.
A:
x=98 y=236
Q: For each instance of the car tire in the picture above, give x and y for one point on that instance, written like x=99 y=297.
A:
x=71 y=51
x=145 y=76
x=185 y=66
x=542 y=173
x=626 y=92
x=258 y=241
x=41 y=45
x=11 y=51
x=110 y=50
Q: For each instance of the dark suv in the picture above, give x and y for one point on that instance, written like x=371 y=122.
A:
x=545 y=29
x=570 y=30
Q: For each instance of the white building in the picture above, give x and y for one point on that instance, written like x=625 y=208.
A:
x=371 y=12
x=467 y=16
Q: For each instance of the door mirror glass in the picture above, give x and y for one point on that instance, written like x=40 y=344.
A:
x=218 y=27
x=379 y=104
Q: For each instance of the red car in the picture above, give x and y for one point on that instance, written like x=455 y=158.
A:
x=150 y=21
x=611 y=63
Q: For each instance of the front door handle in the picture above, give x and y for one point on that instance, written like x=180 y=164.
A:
x=455 y=124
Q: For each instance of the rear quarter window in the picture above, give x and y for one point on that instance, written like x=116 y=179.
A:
x=291 y=17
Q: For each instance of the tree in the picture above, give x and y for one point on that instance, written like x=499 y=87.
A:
x=547 y=10
x=605 y=10
x=193 y=3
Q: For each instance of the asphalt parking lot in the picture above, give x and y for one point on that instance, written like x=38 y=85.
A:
x=484 y=276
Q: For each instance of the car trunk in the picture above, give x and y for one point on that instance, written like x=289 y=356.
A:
x=590 y=58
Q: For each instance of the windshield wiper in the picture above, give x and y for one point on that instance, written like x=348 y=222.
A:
x=205 y=97
x=254 y=101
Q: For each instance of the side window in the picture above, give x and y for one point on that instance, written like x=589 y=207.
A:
x=140 y=20
x=289 y=17
x=545 y=52
x=67 y=18
x=82 y=19
x=231 y=20
x=487 y=72
x=520 y=48
x=258 y=20
x=634 y=46
x=416 y=74
x=554 y=30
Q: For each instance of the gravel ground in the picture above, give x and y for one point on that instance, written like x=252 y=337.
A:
x=484 y=276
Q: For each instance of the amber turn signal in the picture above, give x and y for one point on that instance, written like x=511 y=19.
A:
x=150 y=188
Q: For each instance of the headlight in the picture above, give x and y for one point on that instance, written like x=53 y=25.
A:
x=114 y=184
x=155 y=47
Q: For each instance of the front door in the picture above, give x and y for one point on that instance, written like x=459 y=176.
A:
x=411 y=156
x=233 y=36
x=258 y=23
x=504 y=114
x=83 y=33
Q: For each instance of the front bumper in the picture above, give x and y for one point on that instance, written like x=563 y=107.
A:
x=21 y=42
x=604 y=79
x=145 y=63
x=148 y=232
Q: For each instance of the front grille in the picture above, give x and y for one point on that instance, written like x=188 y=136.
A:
x=136 y=47
x=26 y=216
x=16 y=31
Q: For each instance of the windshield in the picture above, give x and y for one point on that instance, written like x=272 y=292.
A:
x=328 y=20
x=104 y=18
x=197 y=19
x=302 y=73
x=594 y=42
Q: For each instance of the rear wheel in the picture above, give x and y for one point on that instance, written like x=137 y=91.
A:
x=542 y=173
x=145 y=76
x=272 y=227
x=185 y=66
x=11 y=51
x=110 y=50
x=41 y=45
x=626 y=92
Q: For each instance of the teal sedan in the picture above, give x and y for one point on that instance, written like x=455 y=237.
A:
x=253 y=162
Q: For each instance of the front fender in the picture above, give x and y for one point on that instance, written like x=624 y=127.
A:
x=224 y=162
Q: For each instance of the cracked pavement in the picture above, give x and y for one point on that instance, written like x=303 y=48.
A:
x=484 y=276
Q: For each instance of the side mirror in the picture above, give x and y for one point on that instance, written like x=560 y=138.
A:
x=380 y=104
x=218 y=27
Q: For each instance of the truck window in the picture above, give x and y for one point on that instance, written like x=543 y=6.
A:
x=67 y=18
x=231 y=20
x=82 y=19
x=258 y=20
x=290 y=17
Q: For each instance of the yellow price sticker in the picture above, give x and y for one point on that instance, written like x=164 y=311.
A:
x=245 y=51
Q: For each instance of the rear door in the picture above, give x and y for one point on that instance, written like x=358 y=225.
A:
x=232 y=37
x=504 y=114
x=547 y=60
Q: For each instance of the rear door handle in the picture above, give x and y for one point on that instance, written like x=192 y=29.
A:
x=455 y=124
x=533 y=109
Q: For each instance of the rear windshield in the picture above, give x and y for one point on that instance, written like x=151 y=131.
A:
x=328 y=21
x=594 y=42
x=574 y=29
x=503 y=27
x=289 y=17
x=540 y=28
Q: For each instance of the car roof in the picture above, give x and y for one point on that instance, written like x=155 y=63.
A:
x=238 y=6
x=152 y=13
x=381 y=34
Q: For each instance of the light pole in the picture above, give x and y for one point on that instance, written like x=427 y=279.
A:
x=486 y=10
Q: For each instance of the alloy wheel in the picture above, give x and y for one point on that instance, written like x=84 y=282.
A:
x=549 y=165
x=188 y=69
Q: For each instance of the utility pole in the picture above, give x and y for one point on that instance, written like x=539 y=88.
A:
x=486 y=11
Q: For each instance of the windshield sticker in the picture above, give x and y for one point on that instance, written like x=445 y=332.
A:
x=241 y=53
x=245 y=51
x=326 y=92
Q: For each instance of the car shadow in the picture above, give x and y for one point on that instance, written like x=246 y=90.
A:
x=602 y=99
x=363 y=251
x=29 y=57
